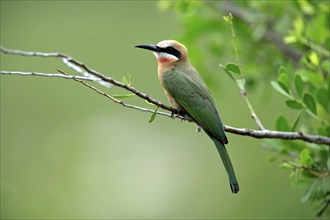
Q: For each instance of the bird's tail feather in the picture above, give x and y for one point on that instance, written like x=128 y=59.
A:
x=228 y=166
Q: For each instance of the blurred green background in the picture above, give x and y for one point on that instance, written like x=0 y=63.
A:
x=67 y=152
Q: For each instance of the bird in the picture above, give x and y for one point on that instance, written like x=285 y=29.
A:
x=188 y=94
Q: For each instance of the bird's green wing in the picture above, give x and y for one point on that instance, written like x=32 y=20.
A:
x=193 y=95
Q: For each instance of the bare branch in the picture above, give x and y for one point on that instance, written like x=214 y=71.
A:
x=253 y=113
x=279 y=135
x=60 y=75
x=31 y=53
x=98 y=77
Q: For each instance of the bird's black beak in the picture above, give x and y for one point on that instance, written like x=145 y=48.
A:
x=151 y=47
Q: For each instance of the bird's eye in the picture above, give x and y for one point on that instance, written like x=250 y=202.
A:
x=173 y=51
x=170 y=49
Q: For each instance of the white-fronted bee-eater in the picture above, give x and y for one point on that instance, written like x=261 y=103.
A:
x=188 y=93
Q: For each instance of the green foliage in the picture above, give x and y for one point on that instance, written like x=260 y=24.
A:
x=153 y=116
x=232 y=67
x=122 y=96
x=289 y=43
x=128 y=80
x=307 y=88
x=282 y=124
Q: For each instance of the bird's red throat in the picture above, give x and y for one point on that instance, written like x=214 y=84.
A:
x=165 y=58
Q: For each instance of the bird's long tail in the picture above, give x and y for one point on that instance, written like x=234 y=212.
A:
x=228 y=166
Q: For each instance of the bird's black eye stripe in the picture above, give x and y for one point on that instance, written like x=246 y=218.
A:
x=173 y=51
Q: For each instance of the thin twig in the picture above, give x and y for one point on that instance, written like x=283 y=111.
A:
x=310 y=170
x=253 y=114
x=229 y=18
x=263 y=133
x=118 y=101
x=317 y=139
x=60 y=75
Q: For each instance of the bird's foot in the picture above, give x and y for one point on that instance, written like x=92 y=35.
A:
x=184 y=115
x=177 y=114
x=174 y=115
x=198 y=129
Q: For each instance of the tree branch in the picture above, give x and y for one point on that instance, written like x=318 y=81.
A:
x=94 y=76
x=279 y=135
x=59 y=75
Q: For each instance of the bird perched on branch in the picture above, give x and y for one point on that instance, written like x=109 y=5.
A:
x=188 y=93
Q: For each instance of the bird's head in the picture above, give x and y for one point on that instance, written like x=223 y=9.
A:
x=167 y=51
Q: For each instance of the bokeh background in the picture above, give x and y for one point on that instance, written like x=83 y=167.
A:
x=67 y=152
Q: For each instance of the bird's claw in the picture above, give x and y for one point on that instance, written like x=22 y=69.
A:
x=173 y=115
x=177 y=114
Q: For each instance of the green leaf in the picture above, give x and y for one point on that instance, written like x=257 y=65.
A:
x=232 y=67
x=153 y=116
x=324 y=154
x=283 y=78
x=310 y=102
x=306 y=158
x=306 y=7
x=281 y=70
x=326 y=65
x=284 y=87
x=313 y=58
x=307 y=76
x=127 y=80
x=229 y=74
x=324 y=131
x=282 y=124
x=290 y=39
x=279 y=88
x=295 y=123
x=122 y=96
x=320 y=207
x=299 y=85
x=298 y=25
x=308 y=192
x=294 y=104
x=323 y=98
x=124 y=80
x=325 y=183
x=286 y=166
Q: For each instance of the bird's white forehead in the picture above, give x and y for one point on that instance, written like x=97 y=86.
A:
x=166 y=43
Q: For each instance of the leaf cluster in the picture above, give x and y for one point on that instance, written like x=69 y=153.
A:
x=295 y=61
